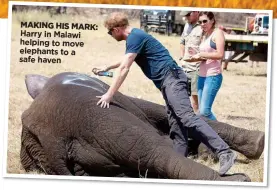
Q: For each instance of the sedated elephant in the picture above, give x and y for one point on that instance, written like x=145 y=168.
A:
x=65 y=133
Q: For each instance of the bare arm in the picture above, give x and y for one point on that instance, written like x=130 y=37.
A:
x=121 y=74
x=220 y=43
x=113 y=66
x=182 y=44
x=105 y=68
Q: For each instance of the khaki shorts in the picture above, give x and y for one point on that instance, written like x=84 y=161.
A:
x=193 y=75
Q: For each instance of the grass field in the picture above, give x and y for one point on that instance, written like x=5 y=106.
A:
x=241 y=100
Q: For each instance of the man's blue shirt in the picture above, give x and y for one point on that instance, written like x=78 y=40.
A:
x=152 y=57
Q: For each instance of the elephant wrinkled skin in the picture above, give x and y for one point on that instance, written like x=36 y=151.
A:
x=65 y=133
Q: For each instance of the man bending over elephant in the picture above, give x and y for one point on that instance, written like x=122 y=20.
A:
x=157 y=64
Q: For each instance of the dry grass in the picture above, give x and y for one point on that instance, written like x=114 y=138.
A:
x=241 y=100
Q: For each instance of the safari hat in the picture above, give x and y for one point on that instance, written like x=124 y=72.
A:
x=185 y=13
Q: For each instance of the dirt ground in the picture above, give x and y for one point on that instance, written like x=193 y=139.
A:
x=241 y=100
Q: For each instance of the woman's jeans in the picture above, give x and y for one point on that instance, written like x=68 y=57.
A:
x=207 y=90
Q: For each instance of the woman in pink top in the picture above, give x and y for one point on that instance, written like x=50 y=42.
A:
x=210 y=74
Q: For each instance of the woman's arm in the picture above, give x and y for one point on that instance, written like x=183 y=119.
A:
x=220 y=44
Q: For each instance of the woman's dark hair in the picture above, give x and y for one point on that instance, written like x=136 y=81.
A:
x=210 y=15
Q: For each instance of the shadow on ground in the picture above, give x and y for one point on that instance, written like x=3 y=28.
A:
x=250 y=74
x=231 y=117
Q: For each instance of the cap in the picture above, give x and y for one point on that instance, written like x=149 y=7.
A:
x=185 y=13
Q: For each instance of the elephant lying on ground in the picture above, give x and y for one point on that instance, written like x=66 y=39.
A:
x=65 y=133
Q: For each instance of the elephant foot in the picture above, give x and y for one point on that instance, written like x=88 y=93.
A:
x=236 y=177
x=259 y=145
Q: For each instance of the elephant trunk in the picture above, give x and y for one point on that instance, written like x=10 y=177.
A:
x=175 y=166
x=249 y=143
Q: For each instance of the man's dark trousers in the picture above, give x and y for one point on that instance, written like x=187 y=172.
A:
x=182 y=118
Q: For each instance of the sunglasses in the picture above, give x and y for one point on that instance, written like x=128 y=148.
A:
x=202 y=21
x=110 y=31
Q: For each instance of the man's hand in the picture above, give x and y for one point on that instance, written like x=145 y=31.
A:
x=105 y=100
x=119 y=78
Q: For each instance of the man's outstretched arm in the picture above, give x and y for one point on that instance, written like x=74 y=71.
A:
x=121 y=75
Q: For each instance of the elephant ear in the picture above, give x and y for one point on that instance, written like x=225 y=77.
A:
x=35 y=84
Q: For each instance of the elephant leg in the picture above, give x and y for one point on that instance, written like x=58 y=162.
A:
x=79 y=170
x=249 y=143
x=172 y=165
x=32 y=156
x=87 y=161
x=26 y=159
x=136 y=146
x=55 y=152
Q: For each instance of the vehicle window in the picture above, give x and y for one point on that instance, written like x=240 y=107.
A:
x=266 y=22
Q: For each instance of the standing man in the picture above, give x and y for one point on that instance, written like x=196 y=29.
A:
x=158 y=65
x=191 y=38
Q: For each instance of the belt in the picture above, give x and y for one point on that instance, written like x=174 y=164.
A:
x=171 y=71
x=184 y=69
x=188 y=71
